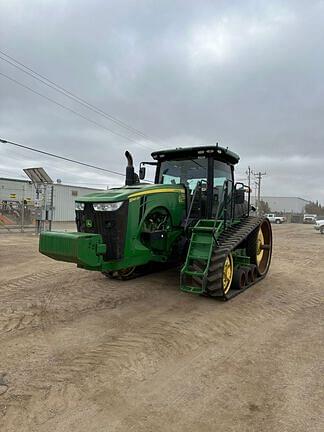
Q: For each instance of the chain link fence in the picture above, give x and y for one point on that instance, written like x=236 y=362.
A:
x=18 y=211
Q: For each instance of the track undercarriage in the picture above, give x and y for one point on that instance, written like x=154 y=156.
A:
x=239 y=258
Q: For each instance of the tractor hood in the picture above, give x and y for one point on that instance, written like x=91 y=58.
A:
x=128 y=192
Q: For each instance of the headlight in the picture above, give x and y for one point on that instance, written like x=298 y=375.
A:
x=79 y=206
x=107 y=206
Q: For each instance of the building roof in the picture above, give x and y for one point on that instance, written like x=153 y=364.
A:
x=77 y=186
x=55 y=184
x=284 y=197
x=14 y=179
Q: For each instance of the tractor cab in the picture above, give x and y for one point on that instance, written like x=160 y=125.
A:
x=207 y=174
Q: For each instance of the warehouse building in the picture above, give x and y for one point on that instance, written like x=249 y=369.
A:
x=64 y=196
x=294 y=205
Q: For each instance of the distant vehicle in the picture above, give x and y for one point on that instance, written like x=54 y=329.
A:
x=319 y=225
x=275 y=219
x=309 y=218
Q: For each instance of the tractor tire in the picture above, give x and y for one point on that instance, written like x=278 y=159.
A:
x=259 y=247
x=109 y=274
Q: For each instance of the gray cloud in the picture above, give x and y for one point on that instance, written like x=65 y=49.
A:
x=246 y=74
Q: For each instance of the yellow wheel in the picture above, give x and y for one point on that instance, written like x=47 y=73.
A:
x=228 y=271
x=259 y=247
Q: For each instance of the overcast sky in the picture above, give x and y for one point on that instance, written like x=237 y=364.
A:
x=246 y=74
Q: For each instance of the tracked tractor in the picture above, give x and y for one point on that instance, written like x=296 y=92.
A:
x=194 y=213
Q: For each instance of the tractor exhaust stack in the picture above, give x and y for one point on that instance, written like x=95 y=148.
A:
x=130 y=173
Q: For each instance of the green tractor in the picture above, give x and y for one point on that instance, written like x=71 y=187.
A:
x=193 y=213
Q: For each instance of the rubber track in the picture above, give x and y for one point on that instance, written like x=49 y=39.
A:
x=227 y=242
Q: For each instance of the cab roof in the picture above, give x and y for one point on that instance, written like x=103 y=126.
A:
x=219 y=153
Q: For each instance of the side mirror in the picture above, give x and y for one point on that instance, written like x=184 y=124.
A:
x=142 y=173
x=239 y=196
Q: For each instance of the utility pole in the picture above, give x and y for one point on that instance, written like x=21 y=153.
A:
x=22 y=209
x=248 y=172
x=259 y=176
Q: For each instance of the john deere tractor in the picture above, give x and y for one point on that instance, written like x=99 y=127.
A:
x=194 y=212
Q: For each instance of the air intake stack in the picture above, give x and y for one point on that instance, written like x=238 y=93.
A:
x=131 y=176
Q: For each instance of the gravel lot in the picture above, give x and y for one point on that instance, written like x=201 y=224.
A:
x=82 y=353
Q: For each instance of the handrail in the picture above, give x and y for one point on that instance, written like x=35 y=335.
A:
x=224 y=188
x=198 y=186
x=246 y=189
x=220 y=200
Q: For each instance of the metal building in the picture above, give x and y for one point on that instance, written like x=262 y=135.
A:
x=64 y=200
x=64 y=196
x=293 y=205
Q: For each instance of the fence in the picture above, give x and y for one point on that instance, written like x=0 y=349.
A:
x=18 y=209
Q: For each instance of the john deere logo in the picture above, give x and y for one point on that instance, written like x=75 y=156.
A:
x=89 y=223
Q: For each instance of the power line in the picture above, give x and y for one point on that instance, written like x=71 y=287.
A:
x=72 y=96
x=69 y=109
x=59 y=157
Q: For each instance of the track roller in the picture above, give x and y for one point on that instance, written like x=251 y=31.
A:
x=254 y=272
x=239 y=279
x=248 y=274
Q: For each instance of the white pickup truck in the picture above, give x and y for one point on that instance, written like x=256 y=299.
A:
x=275 y=219
x=319 y=225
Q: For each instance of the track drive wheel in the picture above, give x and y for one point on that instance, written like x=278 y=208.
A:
x=259 y=247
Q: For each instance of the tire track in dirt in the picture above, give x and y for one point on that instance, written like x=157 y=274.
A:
x=131 y=343
x=25 y=311
x=137 y=353
x=135 y=356
x=40 y=301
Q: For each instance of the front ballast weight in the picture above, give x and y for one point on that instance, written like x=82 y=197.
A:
x=85 y=250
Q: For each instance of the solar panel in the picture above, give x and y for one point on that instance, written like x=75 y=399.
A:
x=38 y=175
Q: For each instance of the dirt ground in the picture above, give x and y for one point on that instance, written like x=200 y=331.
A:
x=83 y=353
